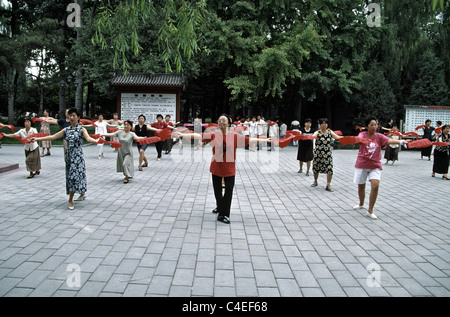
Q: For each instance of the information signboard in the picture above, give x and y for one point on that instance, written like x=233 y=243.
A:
x=417 y=115
x=148 y=104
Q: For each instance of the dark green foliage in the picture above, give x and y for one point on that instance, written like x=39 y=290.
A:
x=274 y=57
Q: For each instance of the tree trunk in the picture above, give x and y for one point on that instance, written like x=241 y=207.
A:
x=328 y=109
x=12 y=73
x=79 y=92
x=87 y=107
x=79 y=72
x=62 y=99
x=298 y=110
x=41 y=97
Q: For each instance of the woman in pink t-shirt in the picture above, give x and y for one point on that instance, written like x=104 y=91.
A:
x=368 y=163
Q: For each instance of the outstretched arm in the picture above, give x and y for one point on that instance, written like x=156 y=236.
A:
x=394 y=141
x=253 y=141
x=150 y=128
x=8 y=135
x=52 y=121
x=335 y=136
x=87 y=137
x=190 y=136
x=108 y=135
x=138 y=137
x=52 y=137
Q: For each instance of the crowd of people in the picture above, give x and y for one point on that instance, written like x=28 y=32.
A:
x=314 y=152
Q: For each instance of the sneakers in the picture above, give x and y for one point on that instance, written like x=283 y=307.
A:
x=368 y=214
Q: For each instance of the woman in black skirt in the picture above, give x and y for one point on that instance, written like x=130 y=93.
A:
x=441 y=157
x=305 y=147
x=391 y=152
x=427 y=132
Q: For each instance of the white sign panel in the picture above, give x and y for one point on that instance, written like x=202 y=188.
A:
x=417 y=115
x=149 y=104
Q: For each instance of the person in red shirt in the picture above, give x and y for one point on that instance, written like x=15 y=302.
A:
x=160 y=125
x=368 y=163
x=169 y=143
x=223 y=163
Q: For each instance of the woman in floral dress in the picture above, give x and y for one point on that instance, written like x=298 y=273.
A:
x=75 y=167
x=323 y=157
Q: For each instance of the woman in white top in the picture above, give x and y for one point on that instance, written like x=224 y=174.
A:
x=45 y=128
x=32 y=157
x=295 y=127
x=261 y=127
x=101 y=127
x=115 y=122
x=253 y=131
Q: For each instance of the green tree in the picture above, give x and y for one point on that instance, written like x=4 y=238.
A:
x=375 y=97
x=259 y=47
x=335 y=70
x=118 y=24
x=430 y=87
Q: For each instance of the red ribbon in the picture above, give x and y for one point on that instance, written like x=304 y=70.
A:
x=149 y=140
x=283 y=142
x=37 y=119
x=346 y=140
x=10 y=126
x=421 y=126
x=419 y=144
x=239 y=128
x=86 y=121
x=114 y=144
x=164 y=134
x=442 y=144
x=414 y=134
x=394 y=133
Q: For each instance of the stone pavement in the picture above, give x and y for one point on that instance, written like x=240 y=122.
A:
x=156 y=236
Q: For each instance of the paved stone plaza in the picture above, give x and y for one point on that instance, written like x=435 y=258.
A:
x=156 y=236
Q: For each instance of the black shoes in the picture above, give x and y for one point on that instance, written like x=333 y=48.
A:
x=223 y=219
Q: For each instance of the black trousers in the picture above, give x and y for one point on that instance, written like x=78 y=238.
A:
x=223 y=202
x=159 y=147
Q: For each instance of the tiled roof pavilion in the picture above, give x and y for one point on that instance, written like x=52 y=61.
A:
x=148 y=80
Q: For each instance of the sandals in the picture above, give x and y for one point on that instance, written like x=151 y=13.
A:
x=81 y=198
x=314 y=184
x=328 y=188
x=145 y=165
